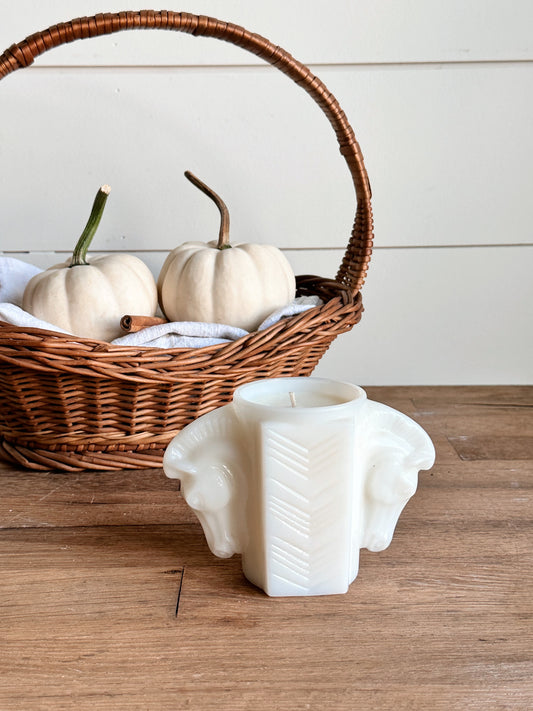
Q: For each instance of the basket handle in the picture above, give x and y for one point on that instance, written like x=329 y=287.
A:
x=354 y=265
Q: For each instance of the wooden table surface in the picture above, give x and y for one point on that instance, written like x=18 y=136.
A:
x=110 y=598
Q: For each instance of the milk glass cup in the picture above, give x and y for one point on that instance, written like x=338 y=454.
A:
x=297 y=475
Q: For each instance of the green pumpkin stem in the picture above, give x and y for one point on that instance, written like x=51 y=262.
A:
x=223 y=233
x=80 y=250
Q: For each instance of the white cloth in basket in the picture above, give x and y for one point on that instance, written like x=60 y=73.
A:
x=185 y=334
x=14 y=275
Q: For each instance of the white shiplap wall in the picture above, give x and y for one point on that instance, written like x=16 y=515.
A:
x=438 y=93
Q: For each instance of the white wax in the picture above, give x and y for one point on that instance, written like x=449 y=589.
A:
x=307 y=393
x=302 y=399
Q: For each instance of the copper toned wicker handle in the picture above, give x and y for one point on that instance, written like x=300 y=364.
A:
x=353 y=268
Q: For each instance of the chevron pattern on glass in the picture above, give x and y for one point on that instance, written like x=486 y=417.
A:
x=306 y=526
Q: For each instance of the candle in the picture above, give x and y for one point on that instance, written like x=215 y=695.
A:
x=301 y=483
x=298 y=474
x=285 y=399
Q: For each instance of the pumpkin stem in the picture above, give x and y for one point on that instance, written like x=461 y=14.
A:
x=80 y=250
x=223 y=233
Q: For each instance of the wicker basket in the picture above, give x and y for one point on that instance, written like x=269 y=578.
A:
x=73 y=404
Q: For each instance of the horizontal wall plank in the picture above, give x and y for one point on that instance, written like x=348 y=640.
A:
x=432 y=316
x=325 y=32
x=435 y=316
x=448 y=151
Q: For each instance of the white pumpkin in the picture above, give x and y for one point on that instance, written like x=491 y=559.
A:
x=216 y=282
x=88 y=298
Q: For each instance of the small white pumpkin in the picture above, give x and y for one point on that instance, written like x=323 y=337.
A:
x=88 y=298
x=215 y=282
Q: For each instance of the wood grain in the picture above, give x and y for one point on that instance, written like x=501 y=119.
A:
x=93 y=566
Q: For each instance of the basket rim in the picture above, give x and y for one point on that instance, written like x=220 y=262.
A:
x=43 y=350
x=328 y=288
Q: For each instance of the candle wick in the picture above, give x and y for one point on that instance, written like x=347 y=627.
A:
x=293 y=399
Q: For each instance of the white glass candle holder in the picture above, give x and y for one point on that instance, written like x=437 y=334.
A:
x=297 y=475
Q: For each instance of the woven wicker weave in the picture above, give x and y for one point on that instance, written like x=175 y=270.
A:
x=76 y=404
